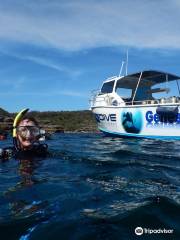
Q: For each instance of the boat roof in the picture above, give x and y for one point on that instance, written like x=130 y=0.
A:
x=148 y=78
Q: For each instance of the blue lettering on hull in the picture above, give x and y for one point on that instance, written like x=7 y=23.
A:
x=155 y=118
x=105 y=117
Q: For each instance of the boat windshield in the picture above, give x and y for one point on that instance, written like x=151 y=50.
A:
x=107 y=87
x=125 y=93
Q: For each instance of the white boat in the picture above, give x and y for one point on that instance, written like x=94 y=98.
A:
x=143 y=104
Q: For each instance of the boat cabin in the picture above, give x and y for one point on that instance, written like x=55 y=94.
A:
x=142 y=88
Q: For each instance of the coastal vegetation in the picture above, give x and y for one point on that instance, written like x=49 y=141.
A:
x=51 y=121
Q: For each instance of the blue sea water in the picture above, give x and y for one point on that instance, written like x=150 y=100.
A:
x=92 y=187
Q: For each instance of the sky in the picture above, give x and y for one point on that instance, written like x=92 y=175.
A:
x=54 y=53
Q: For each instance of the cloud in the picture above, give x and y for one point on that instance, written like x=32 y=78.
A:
x=55 y=66
x=67 y=93
x=76 y=25
x=13 y=84
x=43 y=61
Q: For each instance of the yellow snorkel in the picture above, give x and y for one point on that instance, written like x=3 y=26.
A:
x=17 y=119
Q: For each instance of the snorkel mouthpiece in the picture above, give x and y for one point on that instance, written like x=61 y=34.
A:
x=17 y=119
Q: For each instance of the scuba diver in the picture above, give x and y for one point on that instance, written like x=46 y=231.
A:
x=26 y=139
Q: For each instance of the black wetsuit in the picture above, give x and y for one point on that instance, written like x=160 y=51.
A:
x=38 y=150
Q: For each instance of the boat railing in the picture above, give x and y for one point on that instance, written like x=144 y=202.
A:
x=107 y=100
x=94 y=99
x=169 y=100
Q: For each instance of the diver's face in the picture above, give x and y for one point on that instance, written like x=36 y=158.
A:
x=27 y=133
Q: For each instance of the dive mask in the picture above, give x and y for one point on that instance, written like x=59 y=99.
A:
x=26 y=131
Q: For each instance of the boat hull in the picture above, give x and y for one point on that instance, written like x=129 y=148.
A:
x=139 y=121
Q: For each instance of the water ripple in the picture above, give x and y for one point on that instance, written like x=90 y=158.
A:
x=91 y=187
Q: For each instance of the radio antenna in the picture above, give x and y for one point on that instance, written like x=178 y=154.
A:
x=120 y=72
x=122 y=64
x=127 y=58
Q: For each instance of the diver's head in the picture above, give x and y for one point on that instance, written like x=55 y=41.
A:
x=28 y=132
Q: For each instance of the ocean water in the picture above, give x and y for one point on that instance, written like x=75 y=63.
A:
x=92 y=187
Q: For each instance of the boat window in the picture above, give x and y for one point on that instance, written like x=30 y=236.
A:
x=143 y=93
x=124 y=92
x=107 y=87
x=165 y=90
